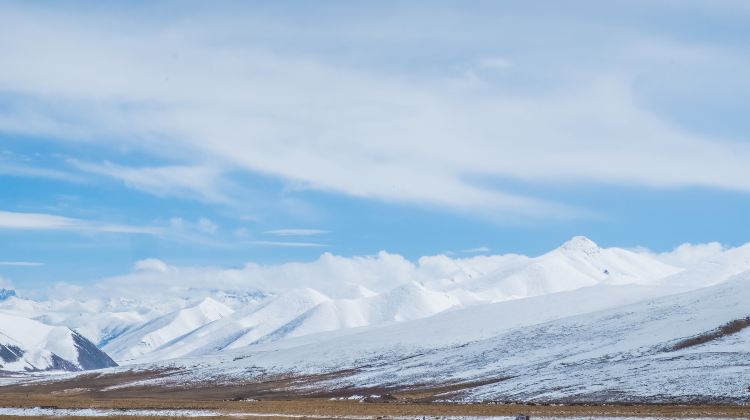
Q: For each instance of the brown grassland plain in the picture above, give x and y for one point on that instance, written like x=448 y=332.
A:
x=277 y=396
x=342 y=409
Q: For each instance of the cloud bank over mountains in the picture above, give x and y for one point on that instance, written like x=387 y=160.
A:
x=219 y=134
x=333 y=275
x=224 y=97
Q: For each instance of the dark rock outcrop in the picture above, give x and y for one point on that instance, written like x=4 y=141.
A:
x=89 y=356
x=58 y=363
x=10 y=353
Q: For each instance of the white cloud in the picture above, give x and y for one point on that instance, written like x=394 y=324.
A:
x=151 y=264
x=288 y=244
x=21 y=263
x=317 y=121
x=296 y=232
x=339 y=276
x=333 y=275
x=181 y=181
x=201 y=231
x=42 y=221
x=687 y=254
x=477 y=250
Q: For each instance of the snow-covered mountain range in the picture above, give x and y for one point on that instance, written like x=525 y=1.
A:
x=601 y=344
x=579 y=322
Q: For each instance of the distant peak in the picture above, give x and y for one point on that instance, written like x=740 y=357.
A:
x=580 y=243
x=6 y=293
x=207 y=301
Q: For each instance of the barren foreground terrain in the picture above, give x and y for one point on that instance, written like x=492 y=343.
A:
x=283 y=396
x=322 y=408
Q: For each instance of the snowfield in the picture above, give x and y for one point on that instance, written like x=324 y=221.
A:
x=617 y=355
x=577 y=324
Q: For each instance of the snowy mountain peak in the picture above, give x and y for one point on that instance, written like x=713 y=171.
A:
x=27 y=345
x=161 y=330
x=210 y=304
x=582 y=244
x=6 y=293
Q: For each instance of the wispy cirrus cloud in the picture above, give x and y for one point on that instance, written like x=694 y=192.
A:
x=296 y=232
x=477 y=250
x=288 y=244
x=21 y=263
x=385 y=132
x=192 y=181
x=42 y=221
x=202 y=231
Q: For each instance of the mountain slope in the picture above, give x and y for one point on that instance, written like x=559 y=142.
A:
x=577 y=263
x=99 y=320
x=690 y=347
x=162 y=330
x=28 y=345
x=302 y=312
x=249 y=324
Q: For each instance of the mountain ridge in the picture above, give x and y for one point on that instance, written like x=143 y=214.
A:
x=28 y=346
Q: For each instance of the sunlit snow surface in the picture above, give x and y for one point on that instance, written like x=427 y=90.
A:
x=560 y=347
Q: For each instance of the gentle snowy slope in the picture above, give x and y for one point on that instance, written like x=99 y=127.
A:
x=407 y=302
x=162 y=330
x=28 y=345
x=672 y=348
x=291 y=314
x=298 y=313
x=248 y=325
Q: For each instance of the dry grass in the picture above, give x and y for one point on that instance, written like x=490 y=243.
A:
x=401 y=406
x=283 y=395
x=729 y=328
x=338 y=409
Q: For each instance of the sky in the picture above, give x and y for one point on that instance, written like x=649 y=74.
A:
x=222 y=133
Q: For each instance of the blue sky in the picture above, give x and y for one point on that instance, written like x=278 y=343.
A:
x=232 y=132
